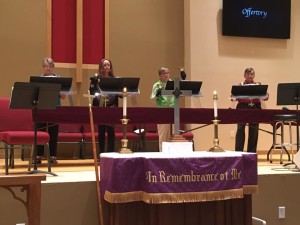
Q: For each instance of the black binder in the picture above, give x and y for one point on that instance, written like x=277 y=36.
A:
x=34 y=95
x=288 y=94
x=65 y=82
x=246 y=91
x=186 y=85
x=115 y=85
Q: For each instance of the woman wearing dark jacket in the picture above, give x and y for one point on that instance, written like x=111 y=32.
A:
x=105 y=70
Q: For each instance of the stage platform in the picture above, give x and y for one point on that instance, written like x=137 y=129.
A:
x=71 y=198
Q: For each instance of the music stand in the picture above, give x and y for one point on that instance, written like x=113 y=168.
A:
x=180 y=88
x=115 y=85
x=65 y=82
x=186 y=85
x=249 y=91
x=289 y=94
x=34 y=96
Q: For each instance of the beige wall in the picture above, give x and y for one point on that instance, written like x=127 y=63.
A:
x=146 y=35
x=277 y=190
x=143 y=37
x=22 y=41
x=219 y=61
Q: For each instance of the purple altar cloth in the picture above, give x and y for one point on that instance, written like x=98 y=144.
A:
x=165 y=178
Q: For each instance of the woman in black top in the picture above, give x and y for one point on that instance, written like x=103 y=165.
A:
x=105 y=70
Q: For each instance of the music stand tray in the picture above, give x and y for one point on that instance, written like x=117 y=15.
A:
x=24 y=94
x=249 y=91
x=288 y=94
x=186 y=85
x=34 y=96
x=115 y=85
x=65 y=82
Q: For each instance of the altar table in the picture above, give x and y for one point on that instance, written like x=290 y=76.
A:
x=166 y=188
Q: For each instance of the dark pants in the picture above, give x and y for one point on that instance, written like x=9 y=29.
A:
x=53 y=133
x=102 y=129
x=252 y=131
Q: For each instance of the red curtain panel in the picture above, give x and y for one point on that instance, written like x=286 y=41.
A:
x=64 y=31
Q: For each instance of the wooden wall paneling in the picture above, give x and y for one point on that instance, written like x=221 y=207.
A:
x=237 y=212
x=220 y=213
x=207 y=213
x=226 y=212
x=192 y=213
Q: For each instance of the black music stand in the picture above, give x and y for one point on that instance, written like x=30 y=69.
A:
x=35 y=96
x=115 y=85
x=65 y=82
x=289 y=94
x=249 y=91
x=186 y=85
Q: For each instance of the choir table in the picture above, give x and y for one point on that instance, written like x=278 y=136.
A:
x=147 y=115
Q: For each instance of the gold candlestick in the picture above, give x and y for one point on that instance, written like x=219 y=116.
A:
x=216 y=147
x=124 y=141
x=216 y=122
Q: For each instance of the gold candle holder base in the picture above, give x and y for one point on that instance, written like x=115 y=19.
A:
x=216 y=147
x=124 y=141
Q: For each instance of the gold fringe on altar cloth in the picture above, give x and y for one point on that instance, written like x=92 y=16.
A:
x=250 y=189
x=178 y=197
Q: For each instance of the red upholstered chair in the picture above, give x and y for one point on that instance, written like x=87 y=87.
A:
x=87 y=134
x=16 y=129
x=71 y=133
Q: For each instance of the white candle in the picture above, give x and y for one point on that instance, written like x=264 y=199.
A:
x=124 y=101
x=215 y=104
